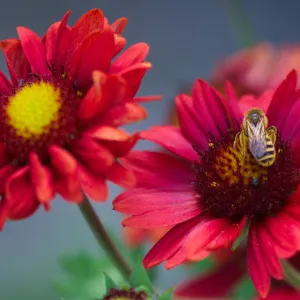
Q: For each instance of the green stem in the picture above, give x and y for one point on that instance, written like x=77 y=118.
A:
x=241 y=22
x=103 y=237
x=291 y=275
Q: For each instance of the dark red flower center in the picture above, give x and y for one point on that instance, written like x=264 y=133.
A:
x=130 y=294
x=39 y=113
x=231 y=184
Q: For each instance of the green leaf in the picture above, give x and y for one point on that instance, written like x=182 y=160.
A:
x=84 y=277
x=140 y=276
x=244 y=289
x=242 y=237
x=109 y=283
x=166 y=295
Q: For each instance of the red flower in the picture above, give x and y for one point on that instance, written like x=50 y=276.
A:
x=257 y=68
x=217 y=284
x=209 y=190
x=134 y=237
x=284 y=293
x=60 y=113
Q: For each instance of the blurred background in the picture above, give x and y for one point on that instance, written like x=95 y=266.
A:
x=187 y=39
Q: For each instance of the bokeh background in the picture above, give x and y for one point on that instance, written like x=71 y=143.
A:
x=187 y=39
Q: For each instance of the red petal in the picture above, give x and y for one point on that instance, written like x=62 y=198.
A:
x=121 y=148
x=205 y=233
x=159 y=170
x=170 y=243
x=121 y=176
x=3 y=155
x=95 y=100
x=5 y=172
x=147 y=98
x=285 y=232
x=3 y=212
x=171 y=138
x=133 y=55
x=217 y=284
x=57 y=42
x=95 y=157
x=94 y=186
x=134 y=76
x=256 y=265
x=119 y=25
x=5 y=84
x=107 y=133
x=227 y=236
x=67 y=181
x=282 y=293
x=120 y=43
x=271 y=259
x=16 y=59
x=124 y=114
x=87 y=57
x=164 y=216
x=129 y=202
x=87 y=24
x=34 y=50
x=106 y=91
x=41 y=179
x=20 y=195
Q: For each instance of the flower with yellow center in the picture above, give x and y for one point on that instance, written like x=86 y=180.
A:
x=60 y=113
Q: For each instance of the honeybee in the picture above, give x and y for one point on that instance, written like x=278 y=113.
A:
x=257 y=137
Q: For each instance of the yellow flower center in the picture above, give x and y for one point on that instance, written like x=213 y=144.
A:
x=232 y=166
x=33 y=109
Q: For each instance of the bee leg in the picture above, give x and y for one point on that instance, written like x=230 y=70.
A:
x=241 y=139
x=272 y=132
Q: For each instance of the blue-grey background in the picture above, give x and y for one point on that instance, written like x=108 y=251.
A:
x=186 y=39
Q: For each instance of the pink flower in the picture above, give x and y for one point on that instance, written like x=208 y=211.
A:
x=209 y=191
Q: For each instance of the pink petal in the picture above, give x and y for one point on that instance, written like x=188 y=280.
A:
x=193 y=125
x=283 y=100
x=121 y=176
x=34 y=50
x=256 y=265
x=171 y=138
x=155 y=169
x=133 y=55
x=41 y=178
x=94 y=186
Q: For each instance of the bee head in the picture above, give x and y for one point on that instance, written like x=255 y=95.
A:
x=254 y=116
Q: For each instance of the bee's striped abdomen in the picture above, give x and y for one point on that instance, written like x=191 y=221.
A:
x=270 y=154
